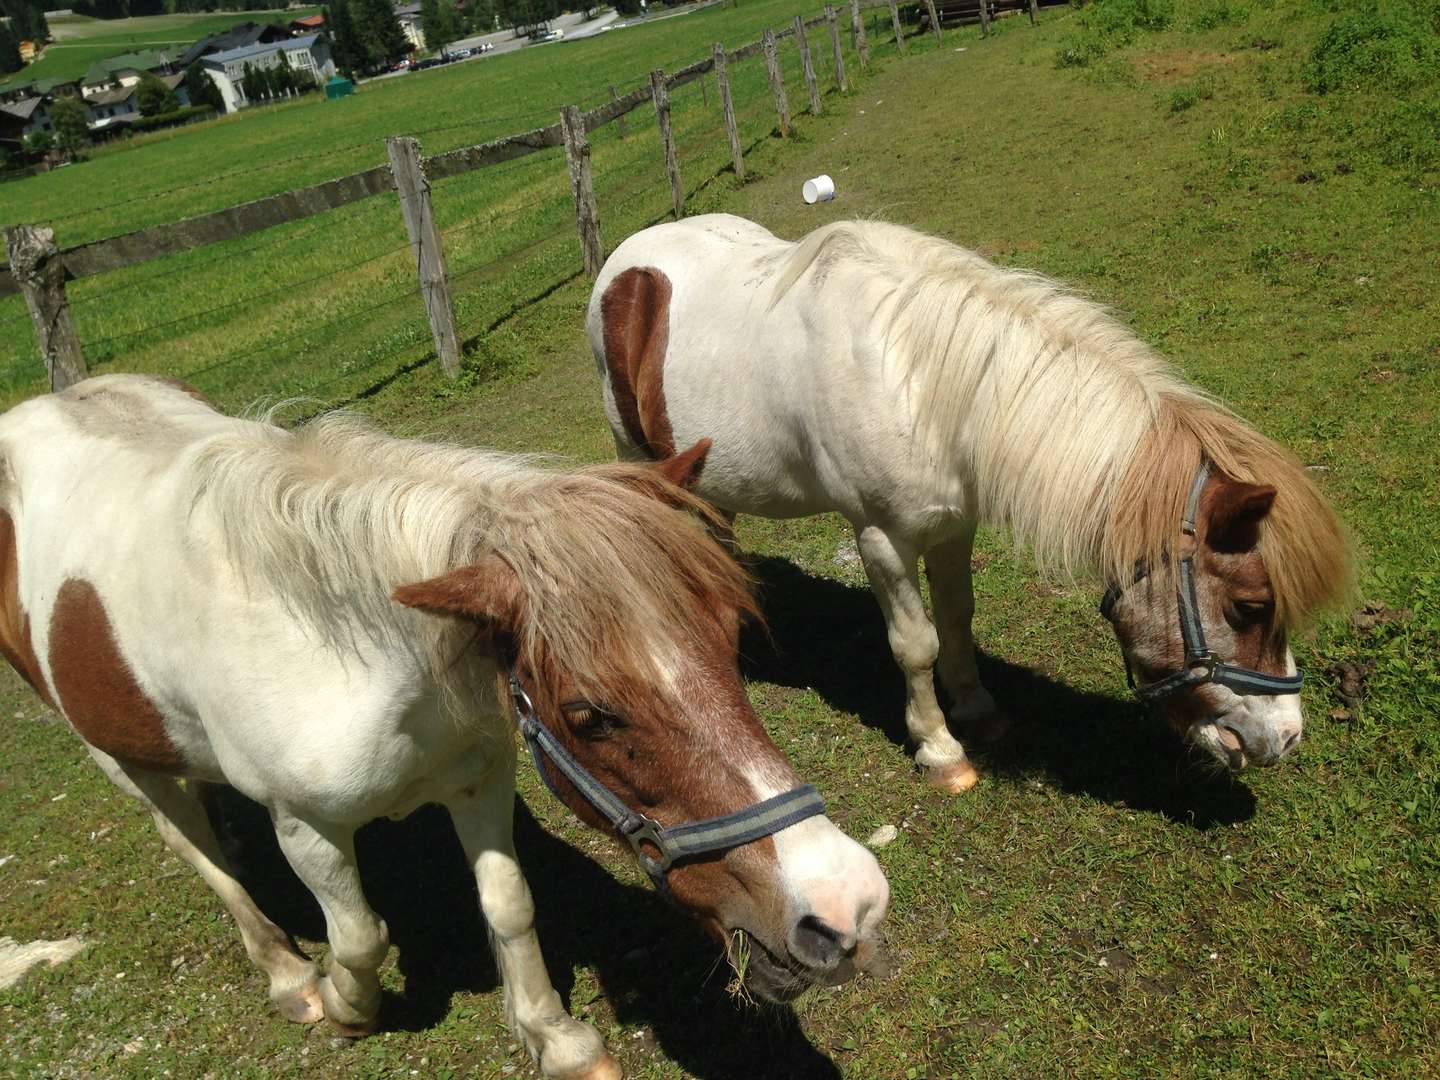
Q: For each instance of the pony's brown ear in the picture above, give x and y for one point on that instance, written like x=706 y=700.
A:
x=489 y=589
x=1234 y=512
x=683 y=470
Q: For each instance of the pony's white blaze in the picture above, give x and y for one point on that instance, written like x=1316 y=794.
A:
x=920 y=391
x=833 y=878
x=215 y=599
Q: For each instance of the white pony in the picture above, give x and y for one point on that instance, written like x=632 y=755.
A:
x=919 y=390
x=211 y=599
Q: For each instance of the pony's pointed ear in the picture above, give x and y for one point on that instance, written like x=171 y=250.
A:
x=1234 y=514
x=489 y=589
x=683 y=470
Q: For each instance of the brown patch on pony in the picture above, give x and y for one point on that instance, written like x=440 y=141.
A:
x=186 y=388
x=1300 y=537
x=98 y=692
x=635 y=317
x=15 y=642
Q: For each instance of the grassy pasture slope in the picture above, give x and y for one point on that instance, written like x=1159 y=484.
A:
x=1098 y=906
x=80 y=41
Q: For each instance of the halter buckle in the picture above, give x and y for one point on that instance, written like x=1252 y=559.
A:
x=1203 y=665
x=641 y=830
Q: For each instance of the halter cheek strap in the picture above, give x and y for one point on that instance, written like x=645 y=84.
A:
x=1201 y=664
x=675 y=843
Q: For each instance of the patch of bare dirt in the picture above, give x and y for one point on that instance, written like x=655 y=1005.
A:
x=1172 y=65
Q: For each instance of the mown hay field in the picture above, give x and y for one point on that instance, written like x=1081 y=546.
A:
x=1099 y=904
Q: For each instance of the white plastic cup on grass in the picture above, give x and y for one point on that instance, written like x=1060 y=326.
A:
x=820 y=189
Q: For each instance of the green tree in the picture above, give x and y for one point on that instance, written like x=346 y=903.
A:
x=37 y=142
x=440 y=23
x=9 y=52
x=201 y=89
x=378 y=30
x=154 y=97
x=345 y=47
x=71 y=121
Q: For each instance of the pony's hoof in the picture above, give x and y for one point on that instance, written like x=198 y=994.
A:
x=303 y=1006
x=352 y=1031
x=953 y=779
x=605 y=1067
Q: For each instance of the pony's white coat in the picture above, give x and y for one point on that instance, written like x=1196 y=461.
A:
x=246 y=573
x=919 y=390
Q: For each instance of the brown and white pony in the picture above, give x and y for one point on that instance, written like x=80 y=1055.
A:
x=919 y=390
x=327 y=620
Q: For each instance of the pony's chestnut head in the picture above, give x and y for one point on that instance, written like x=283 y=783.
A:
x=629 y=661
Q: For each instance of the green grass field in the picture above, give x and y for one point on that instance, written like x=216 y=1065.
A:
x=79 y=41
x=1099 y=905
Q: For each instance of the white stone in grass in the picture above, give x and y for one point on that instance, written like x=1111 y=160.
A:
x=17 y=959
x=885 y=834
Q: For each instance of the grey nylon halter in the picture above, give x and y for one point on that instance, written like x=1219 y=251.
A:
x=676 y=843
x=1201 y=665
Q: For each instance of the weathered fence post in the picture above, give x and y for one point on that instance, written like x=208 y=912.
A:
x=587 y=215
x=35 y=264
x=857 y=30
x=661 y=93
x=895 y=19
x=839 y=53
x=934 y=20
x=808 y=64
x=619 y=120
x=1034 y=12
x=984 y=18
x=777 y=81
x=727 y=103
x=414 y=192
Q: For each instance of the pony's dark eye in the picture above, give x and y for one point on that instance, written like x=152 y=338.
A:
x=591 y=721
x=1248 y=612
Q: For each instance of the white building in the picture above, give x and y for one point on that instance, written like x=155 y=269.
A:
x=227 y=69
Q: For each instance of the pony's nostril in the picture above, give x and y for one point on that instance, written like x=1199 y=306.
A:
x=1290 y=743
x=816 y=944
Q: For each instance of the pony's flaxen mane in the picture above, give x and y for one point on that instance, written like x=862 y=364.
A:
x=335 y=516
x=1080 y=439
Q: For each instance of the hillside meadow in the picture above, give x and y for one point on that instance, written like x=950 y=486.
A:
x=1255 y=194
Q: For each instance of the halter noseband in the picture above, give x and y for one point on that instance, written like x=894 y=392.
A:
x=1201 y=665
x=676 y=843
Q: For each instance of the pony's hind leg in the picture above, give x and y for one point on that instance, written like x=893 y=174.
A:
x=562 y=1046
x=952 y=595
x=893 y=568
x=183 y=824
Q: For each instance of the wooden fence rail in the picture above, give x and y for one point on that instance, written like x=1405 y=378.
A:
x=39 y=270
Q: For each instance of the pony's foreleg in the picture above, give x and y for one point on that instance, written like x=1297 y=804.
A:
x=562 y=1046
x=181 y=820
x=322 y=854
x=952 y=596
x=893 y=568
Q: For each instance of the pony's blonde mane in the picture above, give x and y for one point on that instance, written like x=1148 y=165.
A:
x=331 y=518
x=1078 y=437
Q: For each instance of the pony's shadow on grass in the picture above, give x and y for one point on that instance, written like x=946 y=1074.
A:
x=654 y=966
x=830 y=636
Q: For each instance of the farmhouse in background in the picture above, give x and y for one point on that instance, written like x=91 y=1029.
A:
x=119 y=72
x=237 y=37
x=116 y=108
x=227 y=69
x=24 y=118
x=309 y=24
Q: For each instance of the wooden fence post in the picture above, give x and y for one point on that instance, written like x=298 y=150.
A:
x=661 y=94
x=934 y=20
x=37 y=269
x=857 y=29
x=895 y=19
x=808 y=64
x=727 y=103
x=619 y=120
x=414 y=192
x=984 y=18
x=587 y=215
x=777 y=81
x=839 y=53
x=1034 y=12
